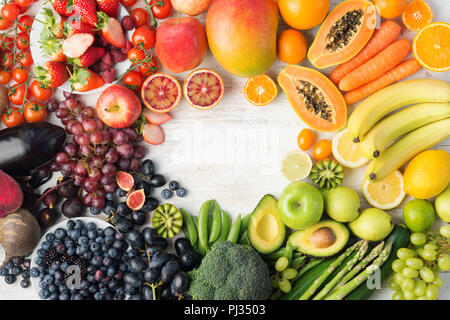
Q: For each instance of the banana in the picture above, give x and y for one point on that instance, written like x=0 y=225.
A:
x=403 y=93
x=407 y=147
x=400 y=123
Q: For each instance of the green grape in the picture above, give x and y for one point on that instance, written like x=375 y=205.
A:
x=398 y=265
x=421 y=288
x=445 y=231
x=432 y=292
x=426 y=274
x=394 y=286
x=429 y=254
x=285 y=285
x=398 y=278
x=407 y=284
x=289 y=273
x=444 y=263
x=404 y=253
x=438 y=282
x=418 y=238
x=281 y=264
x=275 y=278
x=398 y=296
x=420 y=252
x=414 y=263
x=430 y=246
x=410 y=273
x=409 y=295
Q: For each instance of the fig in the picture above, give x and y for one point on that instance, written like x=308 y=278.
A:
x=47 y=217
x=167 y=220
x=125 y=181
x=11 y=196
x=136 y=200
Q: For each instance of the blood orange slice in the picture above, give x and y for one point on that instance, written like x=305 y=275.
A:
x=161 y=92
x=203 y=89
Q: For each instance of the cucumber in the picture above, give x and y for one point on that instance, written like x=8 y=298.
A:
x=400 y=239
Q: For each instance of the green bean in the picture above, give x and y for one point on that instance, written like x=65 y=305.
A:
x=216 y=223
x=226 y=225
x=298 y=261
x=310 y=265
x=244 y=239
x=189 y=228
x=244 y=224
x=286 y=251
x=234 y=231
x=203 y=217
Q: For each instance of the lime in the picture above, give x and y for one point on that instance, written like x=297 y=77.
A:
x=296 y=165
x=418 y=215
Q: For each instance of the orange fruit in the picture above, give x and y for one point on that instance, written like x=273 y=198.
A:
x=390 y=9
x=292 y=46
x=303 y=14
x=260 y=90
x=417 y=15
x=203 y=89
x=161 y=92
x=431 y=47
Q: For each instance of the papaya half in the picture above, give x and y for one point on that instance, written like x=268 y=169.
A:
x=345 y=31
x=314 y=98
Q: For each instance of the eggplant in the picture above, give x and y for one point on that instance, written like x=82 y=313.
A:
x=27 y=147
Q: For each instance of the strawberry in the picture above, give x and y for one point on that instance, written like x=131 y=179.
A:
x=77 y=44
x=91 y=56
x=85 y=80
x=63 y=7
x=156 y=118
x=110 y=7
x=71 y=27
x=52 y=74
x=153 y=134
x=111 y=30
x=88 y=11
x=51 y=46
x=51 y=23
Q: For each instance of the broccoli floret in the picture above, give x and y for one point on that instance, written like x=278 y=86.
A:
x=231 y=272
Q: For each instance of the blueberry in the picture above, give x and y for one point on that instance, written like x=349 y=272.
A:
x=79 y=224
x=110 y=197
x=181 y=192
x=70 y=224
x=110 y=208
x=34 y=272
x=60 y=233
x=166 y=194
x=39 y=261
x=44 y=294
x=10 y=279
x=174 y=185
x=4 y=272
x=110 y=231
x=9 y=264
x=64 y=296
x=125 y=225
x=46 y=245
x=94 y=211
x=120 y=193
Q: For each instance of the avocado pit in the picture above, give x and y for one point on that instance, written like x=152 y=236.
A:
x=322 y=238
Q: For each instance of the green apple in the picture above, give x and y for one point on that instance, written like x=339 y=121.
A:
x=300 y=205
x=442 y=205
x=372 y=224
x=342 y=204
x=418 y=215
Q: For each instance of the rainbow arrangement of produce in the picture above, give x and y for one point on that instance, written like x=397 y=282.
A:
x=86 y=87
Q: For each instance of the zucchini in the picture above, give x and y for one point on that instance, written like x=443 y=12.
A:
x=400 y=239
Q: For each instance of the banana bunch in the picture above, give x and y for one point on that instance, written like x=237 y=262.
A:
x=396 y=139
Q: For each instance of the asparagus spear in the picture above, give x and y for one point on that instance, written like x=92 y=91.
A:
x=330 y=285
x=371 y=256
x=318 y=282
x=363 y=276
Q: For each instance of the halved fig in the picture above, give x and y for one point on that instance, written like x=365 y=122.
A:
x=124 y=180
x=136 y=200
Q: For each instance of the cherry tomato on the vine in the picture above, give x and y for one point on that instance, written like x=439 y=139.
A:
x=23 y=41
x=13 y=117
x=144 y=35
x=20 y=75
x=10 y=11
x=128 y=3
x=139 y=16
x=5 y=77
x=16 y=94
x=35 y=112
x=133 y=79
x=305 y=139
x=26 y=59
x=136 y=55
x=7 y=60
x=148 y=68
x=7 y=42
x=40 y=93
x=161 y=8
x=322 y=150
x=24 y=23
x=4 y=24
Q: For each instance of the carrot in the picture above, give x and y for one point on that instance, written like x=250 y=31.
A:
x=377 y=66
x=403 y=70
x=382 y=37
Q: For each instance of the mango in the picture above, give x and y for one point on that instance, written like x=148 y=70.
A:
x=242 y=35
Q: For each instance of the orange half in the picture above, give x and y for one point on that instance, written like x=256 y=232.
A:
x=431 y=47
x=260 y=90
x=417 y=15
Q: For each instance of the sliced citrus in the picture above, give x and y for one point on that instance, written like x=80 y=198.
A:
x=417 y=15
x=296 y=165
x=260 y=90
x=346 y=152
x=431 y=47
x=203 y=89
x=161 y=92
x=386 y=194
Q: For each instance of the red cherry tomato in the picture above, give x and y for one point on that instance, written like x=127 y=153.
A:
x=133 y=79
x=34 y=112
x=20 y=75
x=322 y=150
x=13 y=117
x=4 y=24
x=40 y=93
x=136 y=55
x=161 y=8
x=8 y=60
x=24 y=3
x=16 y=94
x=23 y=41
x=10 y=12
x=305 y=139
x=144 y=35
x=26 y=59
x=7 y=41
x=148 y=68
x=25 y=22
x=128 y=3
x=5 y=77
x=139 y=16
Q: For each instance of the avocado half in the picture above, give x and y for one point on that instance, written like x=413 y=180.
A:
x=323 y=239
x=266 y=231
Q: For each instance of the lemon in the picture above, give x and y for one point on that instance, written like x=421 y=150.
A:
x=346 y=152
x=296 y=165
x=386 y=194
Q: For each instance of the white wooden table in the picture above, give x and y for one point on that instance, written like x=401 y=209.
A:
x=233 y=153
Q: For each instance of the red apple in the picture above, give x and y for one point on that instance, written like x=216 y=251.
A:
x=181 y=44
x=118 y=107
